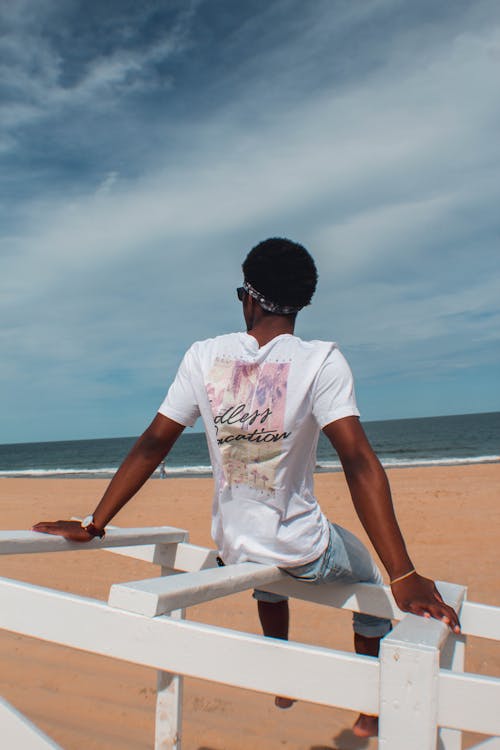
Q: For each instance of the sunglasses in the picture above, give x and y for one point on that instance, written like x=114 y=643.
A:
x=241 y=291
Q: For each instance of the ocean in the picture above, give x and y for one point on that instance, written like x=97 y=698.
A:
x=429 y=441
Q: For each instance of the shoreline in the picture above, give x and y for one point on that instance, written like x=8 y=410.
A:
x=177 y=472
x=450 y=519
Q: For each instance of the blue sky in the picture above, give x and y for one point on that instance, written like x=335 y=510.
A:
x=145 y=148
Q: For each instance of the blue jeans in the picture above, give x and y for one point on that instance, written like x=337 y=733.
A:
x=346 y=560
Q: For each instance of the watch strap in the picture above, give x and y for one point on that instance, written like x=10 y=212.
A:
x=89 y=526
x=95 y=531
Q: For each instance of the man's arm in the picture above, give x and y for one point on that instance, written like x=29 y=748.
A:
x=149 y=450
x=371 y=495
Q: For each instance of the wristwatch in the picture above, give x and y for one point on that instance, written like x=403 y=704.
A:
x=88 y=525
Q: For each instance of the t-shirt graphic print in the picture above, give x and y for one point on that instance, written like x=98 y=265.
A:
x=248 y=402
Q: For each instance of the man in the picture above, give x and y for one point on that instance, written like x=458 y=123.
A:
x=263 y=396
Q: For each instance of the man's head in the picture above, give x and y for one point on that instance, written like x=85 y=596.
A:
x=280 y=275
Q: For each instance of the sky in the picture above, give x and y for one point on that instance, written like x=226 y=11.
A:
x=146 y=147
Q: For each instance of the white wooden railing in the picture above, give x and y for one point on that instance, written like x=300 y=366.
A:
x=417 y=686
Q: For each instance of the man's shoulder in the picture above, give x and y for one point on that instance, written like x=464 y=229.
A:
x=223 y=338
x=318 y=343
x=316 y=346
x=223 y=341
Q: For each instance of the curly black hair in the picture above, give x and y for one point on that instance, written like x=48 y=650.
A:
x=282 y=271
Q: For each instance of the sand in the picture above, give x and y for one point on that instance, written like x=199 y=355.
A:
x=449 y=516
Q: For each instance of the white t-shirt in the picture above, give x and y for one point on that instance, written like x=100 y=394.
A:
x=263 y=409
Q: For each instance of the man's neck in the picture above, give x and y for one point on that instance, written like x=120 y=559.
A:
x=268 y=328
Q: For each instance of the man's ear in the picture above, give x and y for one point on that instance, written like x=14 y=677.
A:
x=249 y=311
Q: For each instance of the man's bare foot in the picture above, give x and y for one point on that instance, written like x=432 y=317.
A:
x=282 y=702
x=366 y=726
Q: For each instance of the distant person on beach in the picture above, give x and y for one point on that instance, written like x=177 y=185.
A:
x=264 y=396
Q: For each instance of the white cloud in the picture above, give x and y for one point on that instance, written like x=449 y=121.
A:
x=107 y=183
x=33 y=68
x=395 y=145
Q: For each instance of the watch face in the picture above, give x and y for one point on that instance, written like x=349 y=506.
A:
x=87 y=521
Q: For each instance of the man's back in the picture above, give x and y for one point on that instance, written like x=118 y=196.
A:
x=263 y=408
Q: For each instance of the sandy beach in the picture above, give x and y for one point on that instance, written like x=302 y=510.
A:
x=449 y=516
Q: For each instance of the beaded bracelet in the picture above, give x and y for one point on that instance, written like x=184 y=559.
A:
x=401 y=578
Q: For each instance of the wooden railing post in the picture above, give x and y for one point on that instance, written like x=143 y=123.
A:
x=168 y=727
x=169 y=691
x=409 y=678
x=452 y=657
x=408 y=689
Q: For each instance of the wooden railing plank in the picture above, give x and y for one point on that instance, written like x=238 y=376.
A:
x=482 y=620
x=19 y=733
x=28 y=542
x=469 y=702
x=212 y=653
x=493 y=743
x=359 y=597
x=156 y=596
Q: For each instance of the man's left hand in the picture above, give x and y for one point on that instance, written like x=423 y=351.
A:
x=420 y=596
x=70 y=530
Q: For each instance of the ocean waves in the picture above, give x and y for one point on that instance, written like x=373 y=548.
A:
x=106 y=472
x=394 y=463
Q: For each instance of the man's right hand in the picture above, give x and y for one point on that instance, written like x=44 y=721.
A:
x=70 y=530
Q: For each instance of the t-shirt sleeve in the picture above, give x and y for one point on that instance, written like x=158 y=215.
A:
x=334 y=396
x=180 y=403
